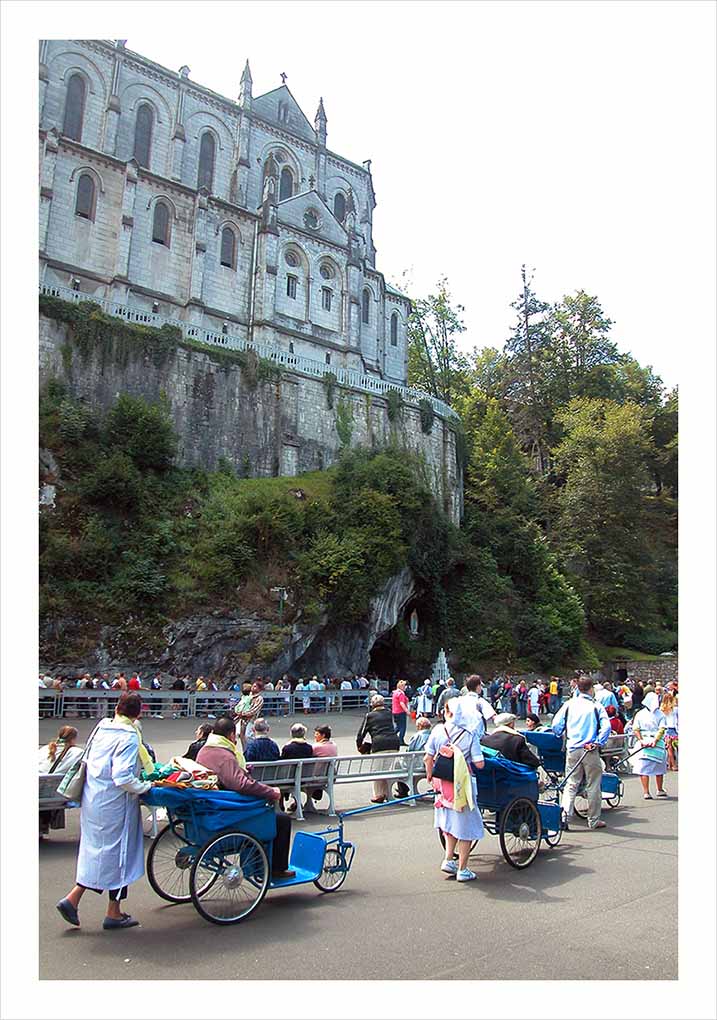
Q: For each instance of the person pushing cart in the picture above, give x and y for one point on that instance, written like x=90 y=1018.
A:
x=587 y=727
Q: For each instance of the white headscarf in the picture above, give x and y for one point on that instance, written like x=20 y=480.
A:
x=464 y=713
x=651 y=702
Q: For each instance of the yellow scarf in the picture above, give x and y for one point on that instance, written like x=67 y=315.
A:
x=144 y=758
x=215 y=740
x=462 y=785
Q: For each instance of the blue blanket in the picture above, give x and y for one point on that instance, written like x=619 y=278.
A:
x=208 y=812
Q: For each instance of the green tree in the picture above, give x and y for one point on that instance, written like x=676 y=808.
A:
x=602 y=524
x=435 y=364
x=143 y=431
x=529 y=352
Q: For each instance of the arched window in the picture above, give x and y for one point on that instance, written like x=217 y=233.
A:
x=394 y=330
x=205 y=177
x=160 y=224
x=85 y=204
x=228 y=253
x=365 y=299
x=286 y=184
x=143 y=134
x=74 y=107
x=340 y=206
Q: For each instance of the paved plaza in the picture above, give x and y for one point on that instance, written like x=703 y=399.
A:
x=572 y=914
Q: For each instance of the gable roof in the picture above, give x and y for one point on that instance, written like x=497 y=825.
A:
x=267 y=106
x=291 y=212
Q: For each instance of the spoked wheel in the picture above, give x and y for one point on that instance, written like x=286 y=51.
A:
x=580 y=804
x=553 y=838
x=169 y=863
x=442 y=839
x=229 y=878
x=520 y=832
x=334 y=872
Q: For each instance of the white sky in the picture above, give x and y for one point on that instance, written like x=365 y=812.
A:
x=576 y=138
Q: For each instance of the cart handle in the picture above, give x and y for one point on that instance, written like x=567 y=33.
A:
x=388 y=803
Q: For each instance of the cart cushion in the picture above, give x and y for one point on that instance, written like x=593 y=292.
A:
x=208 y=812
x=549 y=747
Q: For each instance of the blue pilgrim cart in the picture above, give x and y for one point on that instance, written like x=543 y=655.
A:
x=551 y=752
x=509 y=803
x=216 y=851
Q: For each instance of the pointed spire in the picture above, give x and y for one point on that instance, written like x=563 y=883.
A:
x=320 y=122
x=245 y=87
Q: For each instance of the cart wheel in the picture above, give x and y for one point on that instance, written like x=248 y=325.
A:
x=333 y=873
x=442 y=839
x=520 y=832
x=581 y=805
x=229 y=878
x=554 y=838
x=612 y=802
x=169 y=863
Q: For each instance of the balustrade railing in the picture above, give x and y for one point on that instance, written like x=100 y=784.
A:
x=294 y=362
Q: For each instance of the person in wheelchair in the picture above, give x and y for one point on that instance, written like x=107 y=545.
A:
x=507 y=741
x=219 y=755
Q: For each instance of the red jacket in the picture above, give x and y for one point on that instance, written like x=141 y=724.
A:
x=223 y=762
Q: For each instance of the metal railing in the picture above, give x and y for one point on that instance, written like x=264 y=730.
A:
x=100 y=704
x=292 y=362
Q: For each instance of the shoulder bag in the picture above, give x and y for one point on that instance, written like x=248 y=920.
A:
x=73 y=782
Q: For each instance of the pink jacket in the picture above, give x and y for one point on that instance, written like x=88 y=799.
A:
x=231 y=777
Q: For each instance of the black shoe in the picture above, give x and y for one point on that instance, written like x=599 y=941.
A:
x=288 y=873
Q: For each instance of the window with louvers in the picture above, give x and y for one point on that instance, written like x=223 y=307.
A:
x=205 y=177
x=228 y=248
x=160 y=225
x=143 y=134
x=74 y=107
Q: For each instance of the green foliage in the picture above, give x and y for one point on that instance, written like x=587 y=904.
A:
x=435 y=364
x=330 y=384
x=394 y=401
x=427 y=415
x=344 y=421
x=115 y=483
x=116 y=342
x=143 y=431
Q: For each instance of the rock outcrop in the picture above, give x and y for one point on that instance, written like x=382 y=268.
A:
x=226 y=644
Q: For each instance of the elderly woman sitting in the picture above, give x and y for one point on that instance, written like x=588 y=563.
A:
x=511 y=744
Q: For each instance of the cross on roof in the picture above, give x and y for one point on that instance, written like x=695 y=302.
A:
x=283 y=77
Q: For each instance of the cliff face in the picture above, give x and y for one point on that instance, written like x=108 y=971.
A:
x=283 y=425
x=236 y=645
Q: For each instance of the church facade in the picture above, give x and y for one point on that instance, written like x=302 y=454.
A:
x=165 y=201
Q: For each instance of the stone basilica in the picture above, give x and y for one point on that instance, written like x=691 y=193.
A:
x=165 y=201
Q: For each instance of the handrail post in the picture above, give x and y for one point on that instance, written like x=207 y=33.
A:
x=330 y=786
x=297 y=791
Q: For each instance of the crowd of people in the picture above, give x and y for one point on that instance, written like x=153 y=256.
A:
x=452 y=723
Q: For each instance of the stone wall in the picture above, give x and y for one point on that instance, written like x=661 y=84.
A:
x=646 y=670
x=282 y=426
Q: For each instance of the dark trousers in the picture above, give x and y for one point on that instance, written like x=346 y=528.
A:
x=282 y=842
x=399 y=724
x=114 y=894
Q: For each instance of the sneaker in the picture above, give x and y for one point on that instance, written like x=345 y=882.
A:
x=450 y=867
x=598 y=825
x=210 y=716
x=466 y=875
x=647 y=796
x=159 y=717
x=661 y=793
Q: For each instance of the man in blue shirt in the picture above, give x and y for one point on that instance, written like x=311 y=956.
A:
x=587 y=727
x=604 y=694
